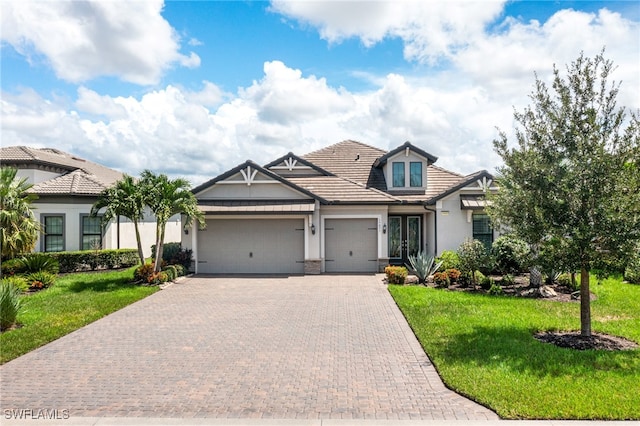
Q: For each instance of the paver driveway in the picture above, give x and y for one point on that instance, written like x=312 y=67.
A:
x=300 y=347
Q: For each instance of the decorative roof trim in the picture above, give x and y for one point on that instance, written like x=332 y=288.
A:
x=481 y=176
x=300 y=160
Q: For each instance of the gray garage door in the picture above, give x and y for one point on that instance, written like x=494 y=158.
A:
x=351 y=245
x=256 y=246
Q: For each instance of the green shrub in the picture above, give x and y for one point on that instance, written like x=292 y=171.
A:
x=486 y=282
x=473 y=256
x=632 y=269
x=510 y=254
x=495 y=289
x=441 y=279
x=12 y=267
x=180 y=270
x=449 y=259
x=396 y=274
x=37 y=262
x=173 y=254
x=40 y=280
x=171 y=272
x=508 y=280
x=74 y=261
x=17 y=281
x=10 y=304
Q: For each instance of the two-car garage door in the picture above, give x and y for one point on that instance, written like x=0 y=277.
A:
x=251 y=246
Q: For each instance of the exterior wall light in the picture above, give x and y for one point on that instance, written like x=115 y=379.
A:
x=313 y=229
x=186 y=231
x=384 y=228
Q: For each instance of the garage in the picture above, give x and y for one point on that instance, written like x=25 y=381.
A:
x=351 y=245
x=251 y=246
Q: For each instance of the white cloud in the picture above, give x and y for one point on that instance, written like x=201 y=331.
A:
x=429 y=29
x=82 y=40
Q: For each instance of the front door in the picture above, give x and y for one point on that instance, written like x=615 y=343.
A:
x=405 y=238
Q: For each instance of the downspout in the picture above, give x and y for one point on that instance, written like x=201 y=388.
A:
x=435 y=230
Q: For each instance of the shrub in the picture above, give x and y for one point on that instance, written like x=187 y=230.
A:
x=473 y=256
x=173 y=254
x=17 y=281
x=73 y=261
x=37 y=262
x=143 y=272
x=441 y=279
x=453 y=274
x=508 y=280
x=10 y=304
x=396 y=274
x=632 y=271
x=180 y=270
x=40 y=280
x=171 y=272
x=511 y=255
x=423 y=265
x=486 y=282
x=157 y=278
x=449 y=259
x=495 y=289
x=12 y=267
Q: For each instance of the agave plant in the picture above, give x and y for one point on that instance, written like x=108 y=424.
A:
x=423 y=265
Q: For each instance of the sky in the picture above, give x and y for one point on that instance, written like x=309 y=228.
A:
x=194 y=88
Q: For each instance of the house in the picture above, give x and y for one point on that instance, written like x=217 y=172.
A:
x=67 y=186
x=345 y=208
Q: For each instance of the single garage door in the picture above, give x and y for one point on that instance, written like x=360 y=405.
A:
x=251 y=246
x=351 y=245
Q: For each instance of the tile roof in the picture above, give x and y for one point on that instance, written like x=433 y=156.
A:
x=78 y=176
x=336 y=189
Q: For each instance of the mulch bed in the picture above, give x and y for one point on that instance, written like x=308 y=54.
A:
x=597 y=341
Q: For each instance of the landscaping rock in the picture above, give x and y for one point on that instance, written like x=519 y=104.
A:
x=411 y=279
x=546 y=291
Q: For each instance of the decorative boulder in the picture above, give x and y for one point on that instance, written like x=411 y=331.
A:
x=411 y=279
x=546 y=291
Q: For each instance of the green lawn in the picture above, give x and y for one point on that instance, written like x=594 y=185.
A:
x=74 y=301
x=483 y=347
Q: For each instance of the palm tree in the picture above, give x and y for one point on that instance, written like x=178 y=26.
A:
x=124 y=198
x=166 y=198
x=19 y=228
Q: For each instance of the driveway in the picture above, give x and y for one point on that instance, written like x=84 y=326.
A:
x=312 y=347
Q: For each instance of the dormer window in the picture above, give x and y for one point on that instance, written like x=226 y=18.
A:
x=398 y=174
x=415 y=174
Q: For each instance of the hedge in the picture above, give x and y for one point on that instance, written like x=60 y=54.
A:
x=74 y=261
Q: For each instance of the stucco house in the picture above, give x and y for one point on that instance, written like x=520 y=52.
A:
x=349 y=207
x=67 y=186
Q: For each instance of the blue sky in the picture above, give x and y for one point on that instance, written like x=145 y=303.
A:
x=194 y=88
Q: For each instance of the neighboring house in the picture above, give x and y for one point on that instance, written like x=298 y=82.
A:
x=67 y=187
x=349 y=207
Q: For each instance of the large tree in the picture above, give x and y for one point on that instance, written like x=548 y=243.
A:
x=124 y=198
x=19 y=228
x=571 y=184
x=166 y=198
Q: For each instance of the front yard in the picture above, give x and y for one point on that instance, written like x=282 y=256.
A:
x=75 y=300
x=483 y=347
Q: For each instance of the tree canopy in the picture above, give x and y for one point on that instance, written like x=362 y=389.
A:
x=570 y=185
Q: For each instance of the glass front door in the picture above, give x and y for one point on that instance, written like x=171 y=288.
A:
x=405 y=237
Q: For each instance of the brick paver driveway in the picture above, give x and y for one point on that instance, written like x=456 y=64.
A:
x=313 y=347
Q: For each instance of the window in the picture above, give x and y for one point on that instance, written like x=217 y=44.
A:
x=91 y=232
x=398 y=174
x=53 y=233
x=482 y=230
x=415 y=174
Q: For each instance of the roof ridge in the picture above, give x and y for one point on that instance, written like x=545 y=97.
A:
x=332 y=146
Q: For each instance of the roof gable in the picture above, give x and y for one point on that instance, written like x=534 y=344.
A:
x=406 y=147
x=291 y=165
x=479 y=181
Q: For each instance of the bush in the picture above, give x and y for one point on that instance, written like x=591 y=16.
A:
x=449 y=259
x=157 y=278
x=632 y=271
x=171 y=272
x=423 y=265
x=473 y=256
x=508 y=280
x=173 y=254
x=17 y=281
x=73 y=261
x=511 y=255
x=495 y=289
x=40 y=280
x=10 y=304
x=143 y=272
x=441 y=279
x=485 y=282
x=180 y=270
x=37 y=262
x=453 y=274
x=12 y=267
x=396 y=274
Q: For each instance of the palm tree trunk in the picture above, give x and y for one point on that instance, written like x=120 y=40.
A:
x=585 y=302
x=159 y=246
x=140 y=251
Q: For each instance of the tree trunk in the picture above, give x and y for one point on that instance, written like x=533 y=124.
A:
x=585 y=302
x=139 y=242
x=159 y=247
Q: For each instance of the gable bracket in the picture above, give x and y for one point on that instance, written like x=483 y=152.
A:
x=249 y=175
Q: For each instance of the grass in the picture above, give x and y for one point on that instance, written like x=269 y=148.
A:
x=483 y=347
x=73 y=302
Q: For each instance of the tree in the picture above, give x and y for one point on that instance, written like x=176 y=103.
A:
x=19 y=228
x=572 y=181
x=166 y=197
x=124 y=198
